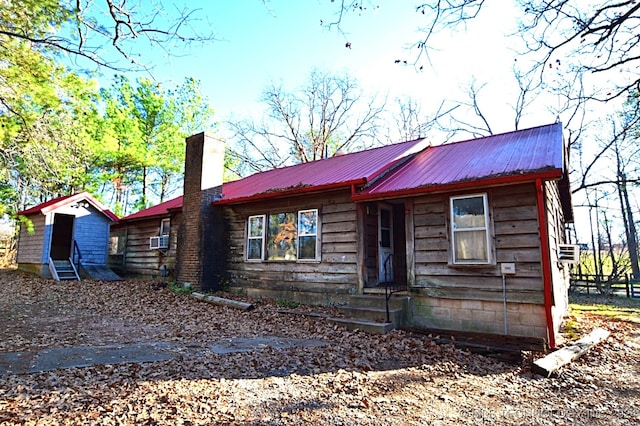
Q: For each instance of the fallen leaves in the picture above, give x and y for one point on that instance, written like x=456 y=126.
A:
x=353 y=378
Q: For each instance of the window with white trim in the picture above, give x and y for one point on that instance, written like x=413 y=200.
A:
x=470 y=229
x=255 y=237
x=308 y=234
x=289 y=236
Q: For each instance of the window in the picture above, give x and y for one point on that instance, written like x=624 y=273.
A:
x=283 y=236
x=470 y=229
x=165 y=226
x=307 y=234
x=117 y=244
x=255 y=237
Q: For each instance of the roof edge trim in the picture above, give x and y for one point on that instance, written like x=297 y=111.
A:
x=289 y=192
x=548 y=175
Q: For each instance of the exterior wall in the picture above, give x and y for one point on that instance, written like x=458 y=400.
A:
x=470 y=298
x=30 y=245
x=560 y=272
x=138 y=258
x=321 y=281
x=91 y=233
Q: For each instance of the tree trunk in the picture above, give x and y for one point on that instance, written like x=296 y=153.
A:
x=632 y=239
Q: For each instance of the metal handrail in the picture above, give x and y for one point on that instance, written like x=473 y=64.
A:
x=387 y=291
x=76 y=256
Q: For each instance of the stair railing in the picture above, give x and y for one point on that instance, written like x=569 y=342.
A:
x=53 y=270
x=76 y=256
x=388 y=269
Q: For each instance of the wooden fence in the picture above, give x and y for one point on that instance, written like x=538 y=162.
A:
x=598 y=284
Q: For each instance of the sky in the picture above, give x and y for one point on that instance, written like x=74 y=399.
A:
x=283 y=41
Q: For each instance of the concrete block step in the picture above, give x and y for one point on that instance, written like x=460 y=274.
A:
x=378 y=301
x=366 y=326
x=373 y=314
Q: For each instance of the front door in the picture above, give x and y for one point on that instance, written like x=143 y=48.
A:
x=61 y=237
x=385 y=243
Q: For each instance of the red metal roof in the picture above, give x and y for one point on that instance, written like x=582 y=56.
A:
x=56 y=203
x=335 y=172
x=509 y=157
x=157 y=210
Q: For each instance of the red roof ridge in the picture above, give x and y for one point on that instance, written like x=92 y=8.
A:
x=55 y=203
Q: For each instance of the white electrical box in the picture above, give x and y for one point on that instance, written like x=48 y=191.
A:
x=508 y=268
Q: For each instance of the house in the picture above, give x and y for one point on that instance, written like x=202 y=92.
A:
x=67 y=237
x=470 y=235
x=144 y=243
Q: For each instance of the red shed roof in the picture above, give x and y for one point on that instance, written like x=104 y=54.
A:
x=56 y=203
x=341 y=171
x=161 y=209
x=505 y=158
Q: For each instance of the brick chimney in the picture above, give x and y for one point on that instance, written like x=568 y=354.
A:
x=202 y=242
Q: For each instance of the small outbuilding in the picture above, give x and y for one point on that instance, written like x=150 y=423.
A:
x=66 y=237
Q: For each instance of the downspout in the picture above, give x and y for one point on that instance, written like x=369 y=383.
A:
x=546 y=262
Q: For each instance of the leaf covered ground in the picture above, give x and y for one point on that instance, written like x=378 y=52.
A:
x=352 y=379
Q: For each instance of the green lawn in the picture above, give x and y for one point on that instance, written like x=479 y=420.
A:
x=614 y=307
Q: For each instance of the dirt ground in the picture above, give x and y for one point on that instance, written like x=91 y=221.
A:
x=351 y=378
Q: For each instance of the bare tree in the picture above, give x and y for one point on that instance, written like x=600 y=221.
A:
x=96 y=29
x=329 y=115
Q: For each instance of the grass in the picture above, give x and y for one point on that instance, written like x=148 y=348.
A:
x=179 y=289
x=619 y=308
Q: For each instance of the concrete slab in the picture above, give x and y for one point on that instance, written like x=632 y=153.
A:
x=85 y=356
x=247 y=344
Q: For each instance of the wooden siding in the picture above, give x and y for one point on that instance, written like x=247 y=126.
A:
x=515 y=239
x=138 y=258
x=91 y=233
x=30 y=245
x=334 y=273
x=560 y=272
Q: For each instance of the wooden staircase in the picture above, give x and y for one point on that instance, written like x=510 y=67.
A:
x=369 y=313
x=63 y=270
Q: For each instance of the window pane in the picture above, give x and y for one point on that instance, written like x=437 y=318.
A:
x=165 y=226
x=256 y=227
x=471 y=245
x=468 y=213
x=307 y=247
x=385 y=218
x=281 y=236
x=116 y=244
x=385 y=238
x=255 y=249
x=308 y=222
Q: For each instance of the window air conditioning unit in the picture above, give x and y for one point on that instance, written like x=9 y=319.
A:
x=159 y=242
x=568 y=253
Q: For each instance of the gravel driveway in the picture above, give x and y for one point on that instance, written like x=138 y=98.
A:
x=225 y=366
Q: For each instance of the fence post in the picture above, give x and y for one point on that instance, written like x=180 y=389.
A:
x=626 y=285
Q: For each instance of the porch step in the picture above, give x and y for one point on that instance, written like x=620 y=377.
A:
x=366 y=326
x=368 y=313
x=373 y=314
x=378 y=301
x=65 y=270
